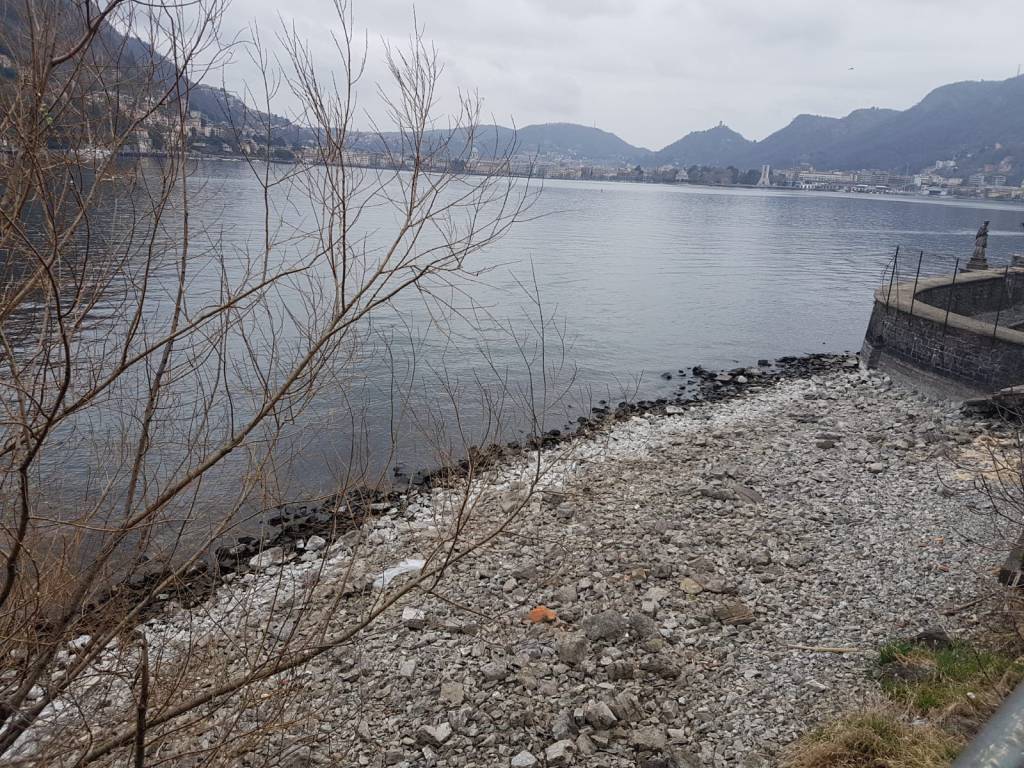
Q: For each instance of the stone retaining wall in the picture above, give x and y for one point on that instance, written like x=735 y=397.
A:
x=976 y=297
x=915 y=333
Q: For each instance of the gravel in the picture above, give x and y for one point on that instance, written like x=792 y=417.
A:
x=691 y=561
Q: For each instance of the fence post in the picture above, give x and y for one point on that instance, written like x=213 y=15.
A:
x=913 y=296
x=892 y=276
x=1002 y=300
x=949 y=301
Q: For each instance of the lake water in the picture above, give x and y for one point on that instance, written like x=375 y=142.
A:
x=640 y=279
x=647 y=279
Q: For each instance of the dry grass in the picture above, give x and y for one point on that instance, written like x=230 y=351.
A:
x=938 y=698
x=880 y=738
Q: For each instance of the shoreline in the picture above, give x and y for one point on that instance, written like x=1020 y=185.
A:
x=683 y=556
x=289 y=524
x=976 y=199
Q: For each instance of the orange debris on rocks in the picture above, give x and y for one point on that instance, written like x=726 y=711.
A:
x=541 y=613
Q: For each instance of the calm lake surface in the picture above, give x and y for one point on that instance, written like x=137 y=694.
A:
x=645 y=279
x=642 y=279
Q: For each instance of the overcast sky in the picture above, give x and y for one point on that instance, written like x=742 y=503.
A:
x=653 y=70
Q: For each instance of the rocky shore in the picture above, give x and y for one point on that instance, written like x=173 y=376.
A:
x=689 y=587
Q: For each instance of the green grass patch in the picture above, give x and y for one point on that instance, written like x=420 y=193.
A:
x=930 y=679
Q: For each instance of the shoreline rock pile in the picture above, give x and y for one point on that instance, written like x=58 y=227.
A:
x=663 y=601
x=283 y=532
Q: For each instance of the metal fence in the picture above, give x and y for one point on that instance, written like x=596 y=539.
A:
x=908 y=265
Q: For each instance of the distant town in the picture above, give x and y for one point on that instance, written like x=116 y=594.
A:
x=210 y=139
x=937 y=180
x=275 y=139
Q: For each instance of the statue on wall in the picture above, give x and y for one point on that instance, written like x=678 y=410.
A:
x=978 y=260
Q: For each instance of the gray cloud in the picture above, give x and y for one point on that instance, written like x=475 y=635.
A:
x=653 y=70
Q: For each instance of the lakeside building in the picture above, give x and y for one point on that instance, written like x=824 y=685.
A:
x=1003 y=192
x=825 y=180
x=210 y=138
x=873 y=178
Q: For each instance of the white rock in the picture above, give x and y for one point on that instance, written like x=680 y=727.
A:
x=494 y=671
x=413 y=618
x=434 y=735
x=452 y=693
x=267 y=558
x=560 y=753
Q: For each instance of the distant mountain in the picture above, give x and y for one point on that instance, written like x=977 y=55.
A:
x=972 y=118
x=219 y=106
x=545 y=141
x=953 y=121
x=578 y=141
x=812 y=138
x=980 y=120
x=718 y=146
x=978 y=124
x=134 y=61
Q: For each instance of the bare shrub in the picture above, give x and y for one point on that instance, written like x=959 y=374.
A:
x=993 y=466
x=119 y=358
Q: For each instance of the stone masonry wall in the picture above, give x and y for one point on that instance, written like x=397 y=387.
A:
x=983 y=362
x=978 y=296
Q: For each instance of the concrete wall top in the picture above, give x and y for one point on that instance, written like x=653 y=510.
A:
x=902 y=298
